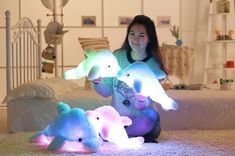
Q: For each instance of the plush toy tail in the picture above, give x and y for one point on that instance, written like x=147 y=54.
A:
x=166 y=102
x=70 y=74
x=131 y=143
x=62 y=107
x=74 y=74
x=39 y=138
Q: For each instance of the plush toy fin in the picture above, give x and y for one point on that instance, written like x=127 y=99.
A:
x=137 y=86
x=61 y=107
x=126 y=121
x=91 y=144
x=89 y=52
x=56 y=143
x=93 y=73
x=39 y=138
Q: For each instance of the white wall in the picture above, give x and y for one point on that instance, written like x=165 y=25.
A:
x=192 y=17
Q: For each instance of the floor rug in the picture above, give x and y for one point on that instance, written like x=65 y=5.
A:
x=180 y=143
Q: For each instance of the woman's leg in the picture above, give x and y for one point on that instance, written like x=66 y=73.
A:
x=144 y=123
x=155 y=132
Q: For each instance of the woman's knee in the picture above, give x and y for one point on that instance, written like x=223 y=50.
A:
x=151 y=114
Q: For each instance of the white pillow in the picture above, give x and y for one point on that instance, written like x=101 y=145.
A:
x=42 y=88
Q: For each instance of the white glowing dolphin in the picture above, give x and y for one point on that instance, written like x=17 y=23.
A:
x=100 y=63
x=140 y=77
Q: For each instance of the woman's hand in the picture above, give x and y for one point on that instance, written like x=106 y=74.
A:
x=141 y=102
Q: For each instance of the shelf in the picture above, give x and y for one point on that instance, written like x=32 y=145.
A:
x=222 y=14
x=212 y=68
x=221 y=41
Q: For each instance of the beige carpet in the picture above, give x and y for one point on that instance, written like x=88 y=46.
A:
x=181 y=143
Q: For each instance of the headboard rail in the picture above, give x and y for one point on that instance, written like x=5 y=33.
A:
x=23 y=51
x=25 y=25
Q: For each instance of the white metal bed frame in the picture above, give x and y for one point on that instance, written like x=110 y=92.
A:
x=23 y=51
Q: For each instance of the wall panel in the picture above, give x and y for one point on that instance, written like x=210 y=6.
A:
x=107 y=13
x=77 y=8
x=115 y=8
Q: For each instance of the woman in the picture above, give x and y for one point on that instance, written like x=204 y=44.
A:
x=141 y=44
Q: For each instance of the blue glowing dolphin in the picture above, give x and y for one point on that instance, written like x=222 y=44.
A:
x=100 y=63
x=71 y=125
x=140 y=77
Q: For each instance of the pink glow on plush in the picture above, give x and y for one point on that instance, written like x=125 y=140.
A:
x=105 y=131
x=72 y=146
x=41 y=140
x=108 y=123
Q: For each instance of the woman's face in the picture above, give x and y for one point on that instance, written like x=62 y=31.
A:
x=138 y=38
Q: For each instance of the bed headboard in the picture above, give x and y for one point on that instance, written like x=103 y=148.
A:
x=23 y=51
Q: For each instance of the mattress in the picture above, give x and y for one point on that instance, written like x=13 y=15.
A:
x=198 y=109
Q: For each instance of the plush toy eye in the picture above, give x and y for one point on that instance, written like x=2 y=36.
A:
x=127 y=75
x=109 y=66
x=79 y=139
x=97 y=118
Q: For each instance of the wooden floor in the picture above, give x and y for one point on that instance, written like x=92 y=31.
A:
x=3 y=119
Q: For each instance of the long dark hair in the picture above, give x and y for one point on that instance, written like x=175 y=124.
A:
x=152 y=48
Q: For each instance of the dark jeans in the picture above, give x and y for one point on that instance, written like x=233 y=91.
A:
x=146 y=125
x=155 y=132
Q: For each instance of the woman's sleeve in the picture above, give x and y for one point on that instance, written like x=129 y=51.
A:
x=105 y=87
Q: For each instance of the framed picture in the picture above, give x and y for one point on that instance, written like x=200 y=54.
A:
x=164 y=21
x=88 y=21
x=222 y=6
x=124 y=20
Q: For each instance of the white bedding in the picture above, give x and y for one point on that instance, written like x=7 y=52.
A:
x=198 y=109
x=29 y=114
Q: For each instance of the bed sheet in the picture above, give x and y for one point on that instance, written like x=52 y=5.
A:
x=200 y=109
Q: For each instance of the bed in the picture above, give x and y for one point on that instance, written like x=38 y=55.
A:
x=31 y=101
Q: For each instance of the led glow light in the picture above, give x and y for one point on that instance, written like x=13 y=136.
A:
x=69 y=131
x=98 y=64
x=110 y=126
x=144 y=82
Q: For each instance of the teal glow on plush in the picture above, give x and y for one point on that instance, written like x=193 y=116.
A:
x=100 y=63
x=69 y=131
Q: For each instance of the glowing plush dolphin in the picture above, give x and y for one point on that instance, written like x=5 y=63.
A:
x=72 y=128
x=110 y=126
x=97 y=64
x=144 y=82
